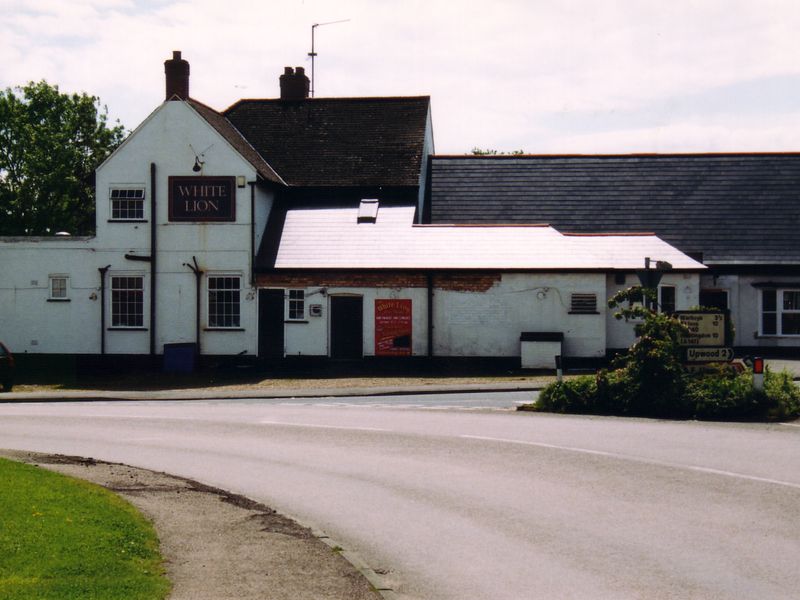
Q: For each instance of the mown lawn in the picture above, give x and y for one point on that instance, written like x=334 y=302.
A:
x=63 y=538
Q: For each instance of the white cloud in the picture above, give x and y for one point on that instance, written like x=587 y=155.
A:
x=506 y=74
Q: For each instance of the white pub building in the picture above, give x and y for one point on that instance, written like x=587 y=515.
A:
x=295 y=228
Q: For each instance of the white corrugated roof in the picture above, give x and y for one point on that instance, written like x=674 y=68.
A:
x=331 y=238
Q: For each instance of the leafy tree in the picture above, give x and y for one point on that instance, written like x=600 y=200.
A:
x=652 y=373
x=50 y=145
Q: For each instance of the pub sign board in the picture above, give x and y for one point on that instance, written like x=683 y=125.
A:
x=201 y=199
x=393 y=327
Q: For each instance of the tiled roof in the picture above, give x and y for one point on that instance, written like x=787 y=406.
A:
x=235 y=139
x=332 y=238
x=337 y=141
x=734 y=208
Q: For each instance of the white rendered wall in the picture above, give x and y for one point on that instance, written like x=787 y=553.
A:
x=745 y=306
x=31 y=323
x=28 y=323
x=687 y=295
x=169 y=138
x=490 y=323
x=311 y=338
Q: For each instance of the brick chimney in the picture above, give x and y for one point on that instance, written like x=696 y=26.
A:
x=294 y=84
x=177 y=71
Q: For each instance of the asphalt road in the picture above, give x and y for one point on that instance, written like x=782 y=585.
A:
x=458 y=504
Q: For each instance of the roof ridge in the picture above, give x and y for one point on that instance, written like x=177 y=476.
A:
x=610 y=234
x=329 y=99
x=482 y=225
x=621 y=155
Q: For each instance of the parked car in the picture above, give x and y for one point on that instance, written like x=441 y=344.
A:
x=6 y=368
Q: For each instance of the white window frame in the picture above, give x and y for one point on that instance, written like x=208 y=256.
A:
x=217 y=320
x=779 y=311
x=292 y=304
x=127 y=189
x=115 y=301
x=51 y=294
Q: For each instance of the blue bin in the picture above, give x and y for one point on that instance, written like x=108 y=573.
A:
x=179 y=358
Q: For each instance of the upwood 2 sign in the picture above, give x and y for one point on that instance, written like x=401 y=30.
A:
x=195 y=199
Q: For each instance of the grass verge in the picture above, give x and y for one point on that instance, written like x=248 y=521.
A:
x=63 y=538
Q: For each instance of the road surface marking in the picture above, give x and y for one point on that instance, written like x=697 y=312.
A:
x=322 y=426
x=649 y=461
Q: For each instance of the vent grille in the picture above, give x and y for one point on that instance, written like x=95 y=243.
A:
x=583 y=304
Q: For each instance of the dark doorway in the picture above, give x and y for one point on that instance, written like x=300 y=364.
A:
x=270 y=324
x=347 y=326
x=714 y=299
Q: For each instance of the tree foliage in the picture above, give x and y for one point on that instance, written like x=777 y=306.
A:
x=492 y=152
x=50 y=145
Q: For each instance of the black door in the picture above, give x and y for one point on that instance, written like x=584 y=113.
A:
x=270 y=323
x=347 y=327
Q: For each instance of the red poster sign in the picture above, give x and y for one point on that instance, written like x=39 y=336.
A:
x=392 y=327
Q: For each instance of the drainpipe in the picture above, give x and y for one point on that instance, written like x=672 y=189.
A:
x=429 y=277
x=103 y=271
x=198 y=274
x=252 y=232
x=152 y=259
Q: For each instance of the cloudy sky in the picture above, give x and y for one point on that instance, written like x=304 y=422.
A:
x=544 y=76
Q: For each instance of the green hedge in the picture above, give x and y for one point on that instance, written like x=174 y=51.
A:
x=721 y=395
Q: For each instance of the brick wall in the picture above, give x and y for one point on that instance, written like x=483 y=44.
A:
x=466 y=282
x=458 y=282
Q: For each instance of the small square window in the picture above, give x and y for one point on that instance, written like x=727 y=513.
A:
x=127 y=204
x=59 y=287
x=297 y=305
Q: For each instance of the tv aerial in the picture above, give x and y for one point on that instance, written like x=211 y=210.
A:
x=313 y=54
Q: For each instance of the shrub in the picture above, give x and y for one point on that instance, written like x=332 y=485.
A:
x=649 y=380
x=571 y=396
x=723 y=395
x=782 y=395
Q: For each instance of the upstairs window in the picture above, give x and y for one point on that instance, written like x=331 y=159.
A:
x=297 y=305
x=224 y=307
x=127 y=204
x=583 y=304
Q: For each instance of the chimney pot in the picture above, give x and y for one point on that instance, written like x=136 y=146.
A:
x=294 y=84
x=177 y=77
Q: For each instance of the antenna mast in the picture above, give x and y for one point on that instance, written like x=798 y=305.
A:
x=313 y=54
